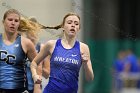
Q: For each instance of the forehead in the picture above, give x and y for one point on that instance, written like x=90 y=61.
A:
x=12 y=15
x=73 y=17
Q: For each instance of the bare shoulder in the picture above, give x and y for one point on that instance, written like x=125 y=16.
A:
x=50 y=43
x=26 y=43
x=83 y=45
x=25 y=40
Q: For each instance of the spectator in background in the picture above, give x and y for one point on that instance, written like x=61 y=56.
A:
x=131 y=64
x=126 y=67
x=131 y=69
x=120 y=62
x=119 y=65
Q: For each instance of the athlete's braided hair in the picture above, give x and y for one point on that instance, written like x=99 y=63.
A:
x=63 y=22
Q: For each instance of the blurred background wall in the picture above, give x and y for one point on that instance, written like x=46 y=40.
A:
x=47 y=12
x=108 y=26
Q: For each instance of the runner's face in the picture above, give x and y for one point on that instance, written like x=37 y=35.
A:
x=71 y=25
x=11 y=23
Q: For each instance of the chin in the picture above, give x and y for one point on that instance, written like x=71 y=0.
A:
x=72 y=36
x=12 y=32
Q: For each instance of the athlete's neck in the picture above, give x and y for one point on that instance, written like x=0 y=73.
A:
x=68 y=43
x=9 y=38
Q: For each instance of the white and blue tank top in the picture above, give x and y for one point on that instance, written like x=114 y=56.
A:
x=12 y=61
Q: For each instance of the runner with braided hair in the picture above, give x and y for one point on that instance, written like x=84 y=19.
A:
x=67 y=55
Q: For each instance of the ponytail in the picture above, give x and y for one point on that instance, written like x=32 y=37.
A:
x=54 y=27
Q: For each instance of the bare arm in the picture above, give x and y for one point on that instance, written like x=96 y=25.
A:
x=46 y=67
x=45 y=51
x=85 y=54
x=28 y=48
x=37 y=87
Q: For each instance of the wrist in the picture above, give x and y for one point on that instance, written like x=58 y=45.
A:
x=35 y=77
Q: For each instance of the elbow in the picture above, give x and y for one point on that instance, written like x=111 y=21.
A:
x=90 y=78
x=46 y=73
x=33 y=65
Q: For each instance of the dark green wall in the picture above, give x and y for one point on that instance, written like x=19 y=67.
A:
x=103 y=53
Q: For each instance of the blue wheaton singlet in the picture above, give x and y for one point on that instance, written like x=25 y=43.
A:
x=65 y=65
x=30 y=82
x=12 y=64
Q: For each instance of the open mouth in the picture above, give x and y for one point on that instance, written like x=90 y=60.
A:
x=12 y=28
x=72 y=30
